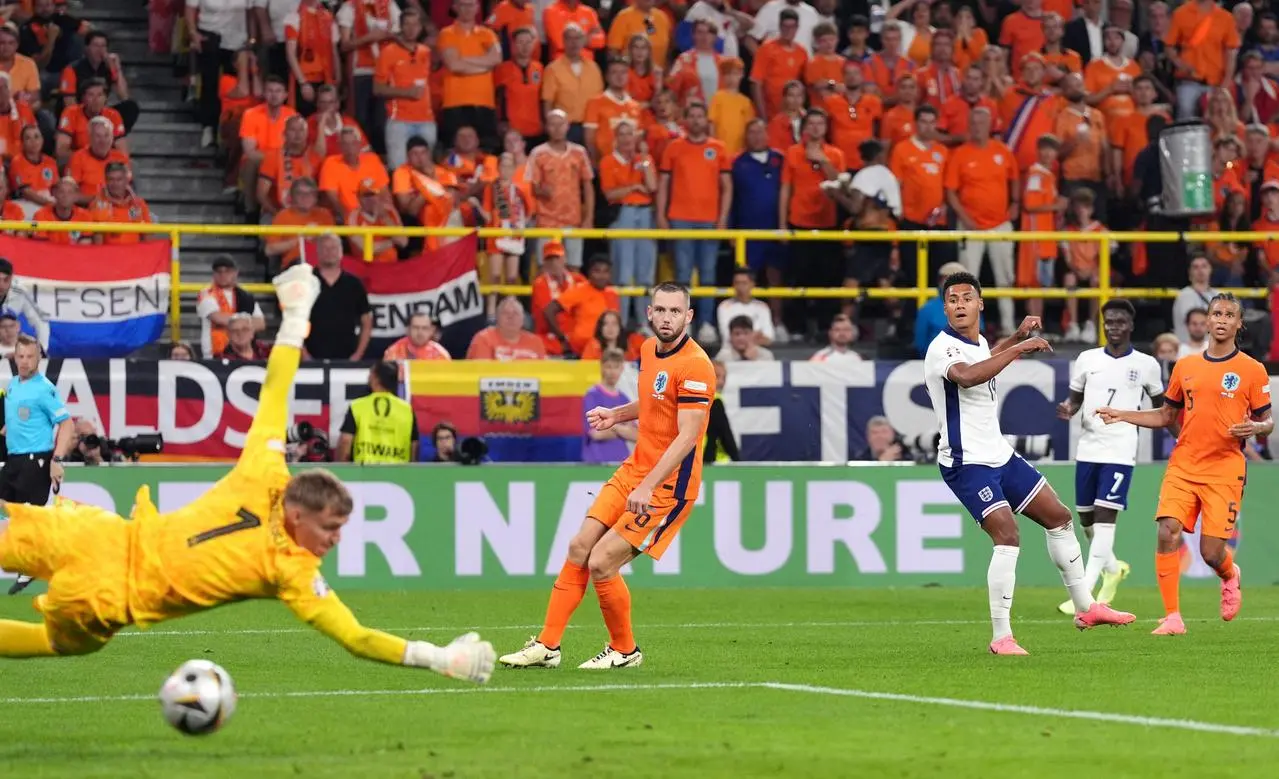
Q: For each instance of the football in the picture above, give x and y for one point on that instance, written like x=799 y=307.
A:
x=198 y=698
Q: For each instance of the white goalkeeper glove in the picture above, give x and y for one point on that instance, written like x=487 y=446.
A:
x=467 y=657
x=297 y=289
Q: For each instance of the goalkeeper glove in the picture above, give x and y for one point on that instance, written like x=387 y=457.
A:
x=467 y=657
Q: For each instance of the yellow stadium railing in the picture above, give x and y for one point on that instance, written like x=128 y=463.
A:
x=738 y=238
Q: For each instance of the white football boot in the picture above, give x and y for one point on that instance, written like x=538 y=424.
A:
x=611 y=658
x=533 y=655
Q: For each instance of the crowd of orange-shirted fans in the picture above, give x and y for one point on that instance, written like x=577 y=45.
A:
x=913 y=115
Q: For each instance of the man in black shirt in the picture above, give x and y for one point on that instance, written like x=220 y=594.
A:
x=99 y=63
x=341 y=320
x=53 y=38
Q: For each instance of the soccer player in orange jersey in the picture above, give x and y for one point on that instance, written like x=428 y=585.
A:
x=258 y=533
x=1226 y=398
x=642 y=507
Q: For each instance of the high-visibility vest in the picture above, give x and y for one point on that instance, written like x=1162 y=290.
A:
x=383 y=429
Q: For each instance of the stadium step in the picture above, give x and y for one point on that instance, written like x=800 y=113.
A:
x=193 y=213
x=107 y=14
x=156 y=139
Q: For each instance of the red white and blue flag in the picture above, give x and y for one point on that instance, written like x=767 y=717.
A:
x=442 y=283
x=99 y=301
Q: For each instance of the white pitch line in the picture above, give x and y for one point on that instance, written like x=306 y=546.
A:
x=960 y=703
x=1012 y=708
x=657 y=626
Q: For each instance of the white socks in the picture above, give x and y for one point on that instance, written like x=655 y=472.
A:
x=1063 y=548
x=1001 y=578
x=1101 y=553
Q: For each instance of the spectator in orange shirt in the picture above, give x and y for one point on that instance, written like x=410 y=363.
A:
x=1081 y=264
x=342 y=175
x=89 y=165
x=375 y=210
x=15 y=116
x=119 y=204
x=364 y=27
x=419 y=342
x=695 y=192
x=73 y=128
x=1128 y=137
x=806 y=205
x=584 y=304
x=898 y=123
x=629 y=182
x=324 y=127
x=854 y=115
x=471 y=52
x=953 y=119
x=970 y=40
x=554 y=279
x=1029 y=110
x=640 y=18
x=11 y=211
x=508 y=18
x=303 y=210
x=32 y=173
x=562 y=14
x=883 y=69
x=1022 y=31
x=689 y=78
x=1085 y=148
x=402 y=78
x=1058 y=59
x=920 y=167
x=64 y=209
x=426 y=194
x=825 y=67
x=644 y=79
x=311 y=51
x=562 y=179
x=1203 y=43
x=507 y=340
x=607 y=110
x=663 y=126
x=280 y=168
x=262 y=131
x=917 y=34
x=1108 y=79
x=1041 y=209
x=784 y=129
x=474 y=169
x=940 y=80
x=570 y=82
x=519 y=87
x=778 y=62
x=1268 y=225
x=982 y=179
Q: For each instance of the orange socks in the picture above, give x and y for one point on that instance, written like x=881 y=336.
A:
x=567 y=593
x=1168 y=570
x=1227 y=569
x=615 y=602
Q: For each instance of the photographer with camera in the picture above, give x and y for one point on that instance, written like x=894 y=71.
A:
x=91 y=448
x=883 y=443
x=379 y=427
x=450 y=449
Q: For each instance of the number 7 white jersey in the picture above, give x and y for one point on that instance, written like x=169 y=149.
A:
x=1119 y=382
x=968 y=418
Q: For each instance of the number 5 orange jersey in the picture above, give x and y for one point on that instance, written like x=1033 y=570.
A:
x=1216 y=394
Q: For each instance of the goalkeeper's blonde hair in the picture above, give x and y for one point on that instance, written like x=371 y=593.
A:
x=318 y=489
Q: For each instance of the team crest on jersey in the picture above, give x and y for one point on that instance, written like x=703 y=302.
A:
x=999 y=159
x=535 y=77
x=47 y=174
x=986 y=494
x=659 y=383
x=937 y=157
x=952 y=351
x=1132 y=378
x=709 y=154
x=510 y=401
x=319 y=586
x=1230 y=382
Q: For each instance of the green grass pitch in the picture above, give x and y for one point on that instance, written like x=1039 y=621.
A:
x=736 y=683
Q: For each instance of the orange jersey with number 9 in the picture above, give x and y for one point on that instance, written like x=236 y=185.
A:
x=1216 y=394
x=682 y=378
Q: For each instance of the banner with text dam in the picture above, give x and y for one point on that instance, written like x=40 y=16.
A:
x=496 y=527
x=100 y=301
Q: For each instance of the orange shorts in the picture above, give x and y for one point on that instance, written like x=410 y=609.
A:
x=650 y=532
x=1186 y=502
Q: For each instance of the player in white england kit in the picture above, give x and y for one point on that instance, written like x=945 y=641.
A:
x=1118 y=376
x=981 y=468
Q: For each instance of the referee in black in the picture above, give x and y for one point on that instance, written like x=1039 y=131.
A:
x=38 y=434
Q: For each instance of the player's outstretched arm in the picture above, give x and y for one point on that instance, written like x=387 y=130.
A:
x=601 y=418
x=467 y=657
x=971 y=374
x=1154 y=418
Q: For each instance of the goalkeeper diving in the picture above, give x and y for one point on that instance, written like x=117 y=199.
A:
x=260 y=532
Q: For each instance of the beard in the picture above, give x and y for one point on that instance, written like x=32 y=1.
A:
x=679 y=333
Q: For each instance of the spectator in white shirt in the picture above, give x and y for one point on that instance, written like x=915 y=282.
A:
x=730 y=22
x=219 y=30
x=842 y=335
x=1197 y=294
x=768 y=23
x=741 y=346
x=743 y=303
x=1196 y=339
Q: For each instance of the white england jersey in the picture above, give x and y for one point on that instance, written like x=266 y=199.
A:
x=969 y=418
x=1118 y=382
